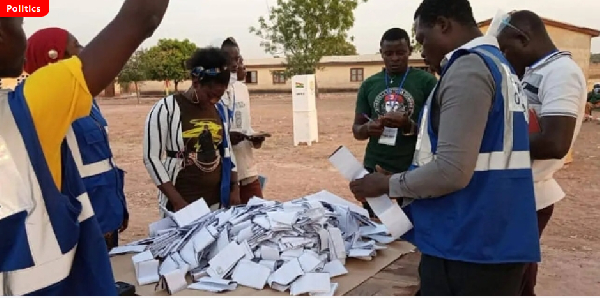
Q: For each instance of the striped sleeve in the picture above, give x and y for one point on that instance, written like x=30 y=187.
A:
x=155 y=142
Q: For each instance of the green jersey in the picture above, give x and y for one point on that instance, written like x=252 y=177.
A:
x=376 y=97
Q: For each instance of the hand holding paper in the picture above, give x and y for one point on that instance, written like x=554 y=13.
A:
x=375 y=188
x=371 y=185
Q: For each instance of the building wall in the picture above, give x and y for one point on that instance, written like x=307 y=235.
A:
x=594 y=75
x=579 y=44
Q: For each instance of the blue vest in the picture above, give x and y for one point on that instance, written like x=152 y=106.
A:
x=493 y=219
x=227 y=164
x=105 y=188
x=90 y=270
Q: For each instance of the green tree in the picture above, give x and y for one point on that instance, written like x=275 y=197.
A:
x=165 y=61
x=134 y=71
x=415 y=45
x=303 y=31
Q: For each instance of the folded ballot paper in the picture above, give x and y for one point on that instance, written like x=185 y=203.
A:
x=299 y=246
x=390 y=214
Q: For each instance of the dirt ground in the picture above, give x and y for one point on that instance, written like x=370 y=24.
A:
x=571 y=242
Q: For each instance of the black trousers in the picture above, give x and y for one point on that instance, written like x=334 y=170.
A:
x=441 y=277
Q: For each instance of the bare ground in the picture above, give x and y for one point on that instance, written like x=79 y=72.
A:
x=571 y=242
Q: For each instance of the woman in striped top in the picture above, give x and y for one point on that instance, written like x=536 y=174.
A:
x=192 y=130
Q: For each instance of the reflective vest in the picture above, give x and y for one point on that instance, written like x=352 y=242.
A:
x=493 y=219
x=103 y=180
x=52 y=244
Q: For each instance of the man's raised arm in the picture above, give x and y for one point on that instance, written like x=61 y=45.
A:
x=104 y=57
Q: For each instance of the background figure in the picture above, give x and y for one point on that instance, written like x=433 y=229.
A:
x=237 y=99
x=556 y=91
x=88 y=139
x=593 y=101
x=394 y=98
x=192 y=129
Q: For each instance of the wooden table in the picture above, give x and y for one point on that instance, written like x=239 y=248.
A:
x=392 y=272
x=400 y=278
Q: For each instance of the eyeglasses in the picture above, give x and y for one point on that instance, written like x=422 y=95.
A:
x=506 y=23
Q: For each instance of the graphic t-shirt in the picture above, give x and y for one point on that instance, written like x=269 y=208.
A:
x=202 y=132
x=376 y=98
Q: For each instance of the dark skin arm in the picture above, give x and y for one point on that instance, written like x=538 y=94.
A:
x=173 y=195
x=554 y=140
x=234 y=196
x=104 y=57
x=362 y=128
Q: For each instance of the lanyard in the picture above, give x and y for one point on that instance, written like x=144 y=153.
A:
x=232 y=97
x=387 y=86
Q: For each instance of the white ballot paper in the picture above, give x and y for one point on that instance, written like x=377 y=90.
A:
x=146 y=268
x=388 y=137
x=390 y=214
x=298 y=245
x=215 y=285
x=119 y=250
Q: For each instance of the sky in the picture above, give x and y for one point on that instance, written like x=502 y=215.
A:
x=205 y=22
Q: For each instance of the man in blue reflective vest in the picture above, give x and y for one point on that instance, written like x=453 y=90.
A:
x=470 y=188
x=103 y=180
x=50 y=241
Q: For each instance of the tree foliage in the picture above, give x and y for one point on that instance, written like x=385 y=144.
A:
x=165 y=61
x=303 y=31
x=135 y=71
x=595 y=58
x=413 y=39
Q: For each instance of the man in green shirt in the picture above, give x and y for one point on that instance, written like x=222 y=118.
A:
x=388 y=106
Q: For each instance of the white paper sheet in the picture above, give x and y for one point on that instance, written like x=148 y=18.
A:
x=225 y=260
x=175 y=280
x=190 y=213
x=126 y=249
x=390 y=214
x=311 y=283
x=214 y=285
x=331 y=292
x=335 y=268
x=287 y=273
x=250 y=274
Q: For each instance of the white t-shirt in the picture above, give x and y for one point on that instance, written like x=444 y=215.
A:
x=555 y=86
x=237 y=98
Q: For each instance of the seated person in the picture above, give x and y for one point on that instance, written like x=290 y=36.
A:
x=593 y=101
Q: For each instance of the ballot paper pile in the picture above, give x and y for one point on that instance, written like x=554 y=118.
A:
x=297 y=246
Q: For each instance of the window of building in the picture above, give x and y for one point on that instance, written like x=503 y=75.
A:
x=251 y=77
x=278 y=77
x=357 y=74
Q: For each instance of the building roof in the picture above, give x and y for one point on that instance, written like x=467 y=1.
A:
x=328 y=60
x=554 y=23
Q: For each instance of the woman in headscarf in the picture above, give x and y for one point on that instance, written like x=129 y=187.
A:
x=193 y=130
x=103 y=180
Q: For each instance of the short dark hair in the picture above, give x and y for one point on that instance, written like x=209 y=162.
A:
x=229 y=42
x=207 y=58
x=458 y=10
x=395 y=34
x=526 y=19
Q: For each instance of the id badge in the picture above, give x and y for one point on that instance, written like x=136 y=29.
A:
x=389 y=136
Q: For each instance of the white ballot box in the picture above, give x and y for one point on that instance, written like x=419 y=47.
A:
x=304 y=109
